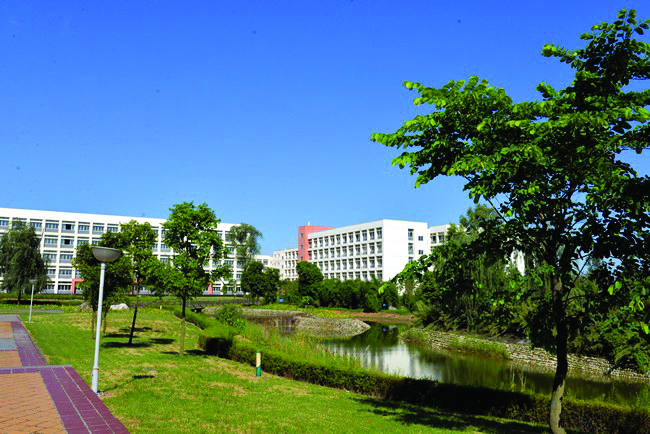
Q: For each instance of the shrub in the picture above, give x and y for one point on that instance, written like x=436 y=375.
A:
x=231 y=315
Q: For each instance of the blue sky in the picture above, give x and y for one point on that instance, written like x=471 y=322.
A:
x=261 y=109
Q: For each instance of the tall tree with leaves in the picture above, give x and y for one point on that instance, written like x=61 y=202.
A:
x=191 y=231
x=21 y=260
x=118 y=277
x=245 y=240
x=139 y=238
x=552 y=169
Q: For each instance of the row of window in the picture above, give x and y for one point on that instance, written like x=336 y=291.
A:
x=357 y=275
x=344 y=252
x=346 y=238
x=350 y=264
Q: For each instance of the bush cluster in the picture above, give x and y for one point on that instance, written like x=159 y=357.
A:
x=348 y=294
x=232 y=316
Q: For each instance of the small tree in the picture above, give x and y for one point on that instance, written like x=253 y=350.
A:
x=21 y=260
x=191 y=231
x=261 y=282
x=309 y=282
x=139 y=238
x=245 y=240
x=552 y=170
x=118 y=277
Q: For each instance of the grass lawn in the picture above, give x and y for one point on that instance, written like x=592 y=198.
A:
x=150 y=388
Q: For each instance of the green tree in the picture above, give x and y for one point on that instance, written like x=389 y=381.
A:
x=245 y=240
x=552 y=169
x=118 y=277
x=21 y=260
x=191 y=231
x=261 y=282
x=139 y=238
x=463 y=275
x=309 y=282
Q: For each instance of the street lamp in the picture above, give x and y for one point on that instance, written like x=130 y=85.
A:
x=103 y=255
x=31 y=303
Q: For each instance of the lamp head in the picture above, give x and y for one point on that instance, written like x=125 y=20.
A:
x=106 y=254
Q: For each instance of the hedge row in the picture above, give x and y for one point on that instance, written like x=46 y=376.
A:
x=219 y=339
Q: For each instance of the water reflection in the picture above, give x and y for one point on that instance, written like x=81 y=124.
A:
x=379 y=347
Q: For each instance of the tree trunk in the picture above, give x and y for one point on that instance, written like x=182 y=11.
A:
x=135 y=314
x=20 y=293
x=92 y=324
x=562 y=368
x=183 y=328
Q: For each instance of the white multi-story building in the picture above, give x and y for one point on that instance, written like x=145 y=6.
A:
x=285 y=261
x=378 y=249
x=62 y=232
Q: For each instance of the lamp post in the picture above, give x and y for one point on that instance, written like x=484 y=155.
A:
x=31 y=303
x=103 y=255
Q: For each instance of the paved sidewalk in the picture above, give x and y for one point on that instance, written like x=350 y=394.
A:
x=36 y=398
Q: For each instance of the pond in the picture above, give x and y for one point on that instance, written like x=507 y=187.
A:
x=379 y=347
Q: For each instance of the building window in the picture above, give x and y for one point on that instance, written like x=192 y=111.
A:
x=441 y=237
x=371 y=233
x=67 y=242
x=372 y=249
x=420 y=252
x=65 y=273
x=67 y=227
x=65 y=258
x=50 y=241
x=357 y=236
x=82 y=241
x=420 y=238
x=4 y=223
x=379 y=248
x=35 y=225
x=64 y=288
x=410 y=259
x=98 y=229
x=364 y=235
x=83 y=228
x=378 y=230
x=51 y=227
x=51 y=272
x=410 y=248
x=95 y=242
x=410 y=235
x=113 y=229
x=49 y=256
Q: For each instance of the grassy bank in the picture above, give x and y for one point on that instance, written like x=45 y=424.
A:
x=153 y=389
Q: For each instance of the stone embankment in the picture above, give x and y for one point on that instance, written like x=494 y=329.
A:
x=307 y=323
x=523 y=354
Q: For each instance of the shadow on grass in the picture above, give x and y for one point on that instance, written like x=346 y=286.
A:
x=142 y=344
x=137 y=329
x=126 y=345
x=162 y=341
x=413 y=415
x=117 y=335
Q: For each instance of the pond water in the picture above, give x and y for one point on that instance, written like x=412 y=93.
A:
x=380 y=348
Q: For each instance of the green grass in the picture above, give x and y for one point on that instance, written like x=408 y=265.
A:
x=150 y=388
x=480 y=346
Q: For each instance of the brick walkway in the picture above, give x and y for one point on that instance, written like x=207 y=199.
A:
x=36 y=398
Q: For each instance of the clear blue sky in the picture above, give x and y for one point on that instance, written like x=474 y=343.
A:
x=261 y=109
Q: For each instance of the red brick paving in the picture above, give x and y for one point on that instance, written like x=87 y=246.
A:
x=35 y=397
